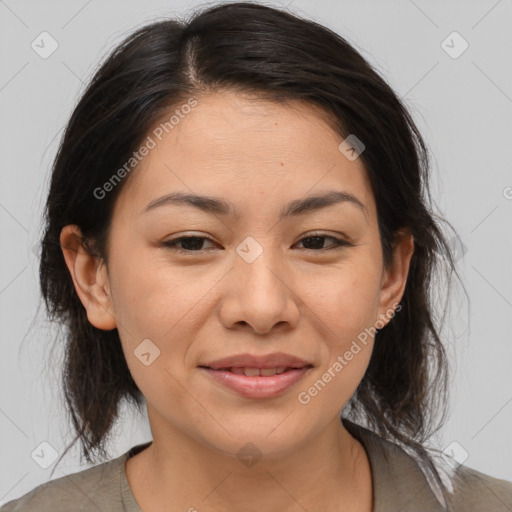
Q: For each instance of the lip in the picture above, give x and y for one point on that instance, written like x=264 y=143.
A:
x=273 y=360
x=258 y=386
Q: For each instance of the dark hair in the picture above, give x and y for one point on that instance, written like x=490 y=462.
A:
x=270 y=53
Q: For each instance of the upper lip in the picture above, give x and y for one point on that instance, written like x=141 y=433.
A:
x=251 y=361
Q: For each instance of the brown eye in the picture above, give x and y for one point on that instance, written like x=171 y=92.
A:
x=189 y=244
x=316 y=242
x=186 y=243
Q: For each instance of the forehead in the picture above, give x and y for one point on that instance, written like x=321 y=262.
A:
x=246 y=150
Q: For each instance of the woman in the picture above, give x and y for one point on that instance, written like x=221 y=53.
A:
x=238 y=236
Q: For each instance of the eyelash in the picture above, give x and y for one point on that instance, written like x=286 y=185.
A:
x=337 y=243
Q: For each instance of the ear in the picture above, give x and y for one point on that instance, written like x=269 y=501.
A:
x=394 y=279
x=89 y=276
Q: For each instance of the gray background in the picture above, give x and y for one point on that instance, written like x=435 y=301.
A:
x=462 y=106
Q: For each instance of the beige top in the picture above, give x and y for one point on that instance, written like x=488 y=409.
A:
x=398 y=485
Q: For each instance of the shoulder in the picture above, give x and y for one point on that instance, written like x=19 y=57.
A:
x=95 y=488
x=402 y=482
x=477 y=491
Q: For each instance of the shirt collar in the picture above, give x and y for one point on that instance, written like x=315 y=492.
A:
x=399 y=484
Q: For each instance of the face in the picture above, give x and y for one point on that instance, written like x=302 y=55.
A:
x=310 y=284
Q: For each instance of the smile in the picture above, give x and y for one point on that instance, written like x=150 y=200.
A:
x=257 y=382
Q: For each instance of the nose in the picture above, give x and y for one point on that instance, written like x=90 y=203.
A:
x=260 y=295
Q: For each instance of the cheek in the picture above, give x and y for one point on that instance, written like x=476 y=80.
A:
x=350 y=303
x=151 y=297
x=166 y=305
x=348 y=343
x=348 y=309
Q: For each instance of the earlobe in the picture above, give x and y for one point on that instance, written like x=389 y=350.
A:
x=394 y=279
x=89 y=278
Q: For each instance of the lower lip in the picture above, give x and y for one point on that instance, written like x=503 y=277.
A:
x=258 y=387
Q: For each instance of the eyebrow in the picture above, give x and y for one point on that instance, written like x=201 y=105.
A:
x=219 y=206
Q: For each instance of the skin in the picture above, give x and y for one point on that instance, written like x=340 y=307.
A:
x=199 y=306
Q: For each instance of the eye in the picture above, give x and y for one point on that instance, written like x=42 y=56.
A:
x=190 y=243
x=317 y=242
x=187 y=244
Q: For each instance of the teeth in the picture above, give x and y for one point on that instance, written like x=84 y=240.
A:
x=255 y=372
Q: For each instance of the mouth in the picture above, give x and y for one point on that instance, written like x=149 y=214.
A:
x=278 y=361
x=251 y=371
x=257 y=383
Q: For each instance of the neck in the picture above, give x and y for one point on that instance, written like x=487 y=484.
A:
x=176 y=469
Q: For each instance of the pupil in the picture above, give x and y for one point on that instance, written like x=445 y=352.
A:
x=190 y=241
x=316 y=238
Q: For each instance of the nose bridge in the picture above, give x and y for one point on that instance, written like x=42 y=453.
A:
x=257 y=265
x=262 y=295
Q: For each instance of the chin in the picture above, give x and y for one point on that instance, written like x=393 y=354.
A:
x=256 y=439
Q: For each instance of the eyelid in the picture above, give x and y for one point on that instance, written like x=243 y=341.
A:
x=171 y=242
x=339 y=241
x=340 y=236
